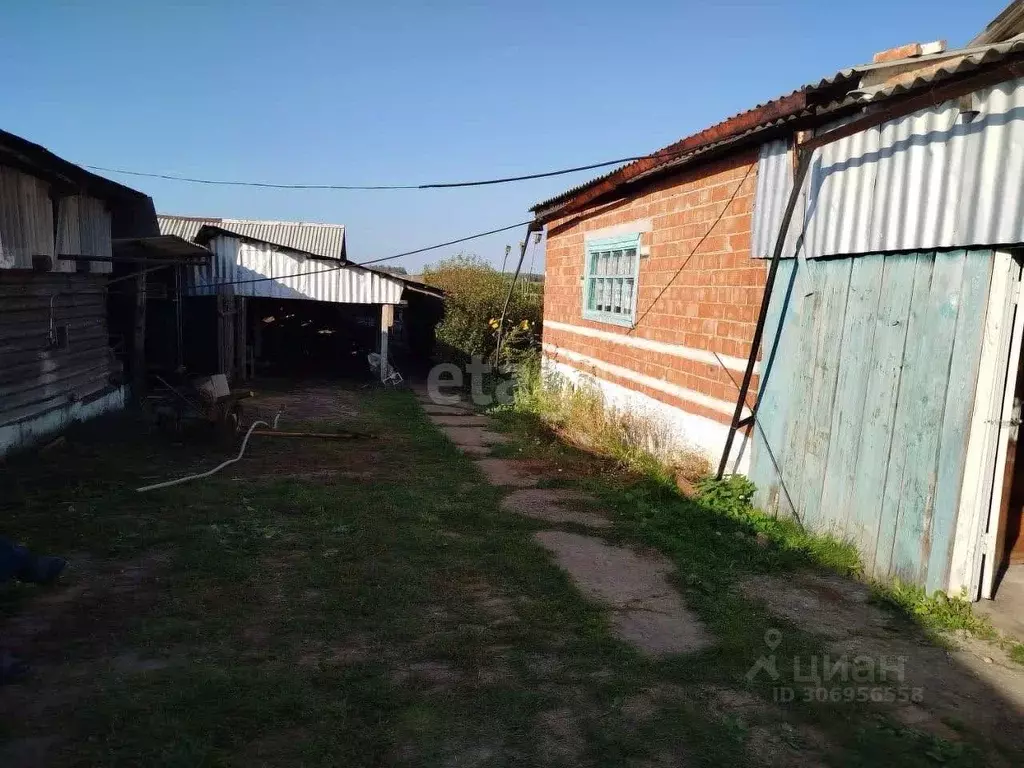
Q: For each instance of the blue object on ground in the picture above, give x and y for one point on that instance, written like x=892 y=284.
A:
x=17 y=562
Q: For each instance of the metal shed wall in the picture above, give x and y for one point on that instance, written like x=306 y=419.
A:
x=933 y=179
x=237 y=260
x=868 y=384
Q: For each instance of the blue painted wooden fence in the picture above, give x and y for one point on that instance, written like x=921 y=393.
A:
x=870 y=365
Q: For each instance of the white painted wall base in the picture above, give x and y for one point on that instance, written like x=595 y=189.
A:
x=22 y=434
x=689 y=431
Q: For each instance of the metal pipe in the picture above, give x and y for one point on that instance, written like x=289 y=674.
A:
x=803 y=164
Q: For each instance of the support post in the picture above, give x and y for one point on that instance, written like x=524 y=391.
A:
x=530 y=229
x=139 y=338
x=802 y=165
x=387 y=319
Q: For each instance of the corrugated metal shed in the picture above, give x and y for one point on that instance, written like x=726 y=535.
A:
x=323 y=240
x=932 y=179
x=240 y=266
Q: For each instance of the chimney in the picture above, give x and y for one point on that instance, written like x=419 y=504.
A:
x=903 y=65
x=909 y=51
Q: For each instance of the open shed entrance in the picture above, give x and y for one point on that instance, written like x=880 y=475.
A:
x=999 y=554
x=311 y=338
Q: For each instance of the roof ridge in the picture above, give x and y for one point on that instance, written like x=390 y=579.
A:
x=274 y=222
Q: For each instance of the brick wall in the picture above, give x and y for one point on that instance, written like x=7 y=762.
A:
x=698 y=290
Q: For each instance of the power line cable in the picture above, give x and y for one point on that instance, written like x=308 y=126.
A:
x=366 y=263
x=442 y=245
x=431 y=185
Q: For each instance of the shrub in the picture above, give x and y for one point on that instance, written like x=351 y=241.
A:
x=475 y=293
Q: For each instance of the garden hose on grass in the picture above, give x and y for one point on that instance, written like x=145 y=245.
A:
x=218 y=468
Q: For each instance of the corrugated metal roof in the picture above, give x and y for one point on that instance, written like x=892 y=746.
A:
x=322 y=240
x=919 y=182
x=245 y=266
x=676 y=157
x=41 y=162
x=821 y=104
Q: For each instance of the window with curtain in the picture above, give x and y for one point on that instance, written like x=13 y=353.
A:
x=610 y=279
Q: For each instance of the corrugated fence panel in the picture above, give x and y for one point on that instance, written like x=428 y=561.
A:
x=933 y=179
x=869 y=400
x=241 y=267
x=774 y=182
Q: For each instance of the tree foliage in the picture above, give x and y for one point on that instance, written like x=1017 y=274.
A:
x=475 y=293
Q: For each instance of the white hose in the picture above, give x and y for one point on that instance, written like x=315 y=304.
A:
x=216 y=469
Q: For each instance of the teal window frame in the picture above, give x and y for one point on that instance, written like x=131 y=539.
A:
x=611 y=271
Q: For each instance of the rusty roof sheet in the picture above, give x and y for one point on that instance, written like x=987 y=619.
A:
x=320 y=240
x=818 y=101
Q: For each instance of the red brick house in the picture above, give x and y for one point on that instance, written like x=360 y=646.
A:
x=655 y=272
x=650 y=289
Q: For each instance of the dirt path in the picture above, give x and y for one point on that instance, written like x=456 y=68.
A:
x=647 y=612
x=971 y=688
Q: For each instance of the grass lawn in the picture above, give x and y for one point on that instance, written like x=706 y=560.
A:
x=365 y=602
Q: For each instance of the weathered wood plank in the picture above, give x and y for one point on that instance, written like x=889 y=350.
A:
x=50 y=362
x=63 y=301
x=833 y=283
x=27 y=349
x=956 y=420
x=880 y=403
x=982 y=445
x=35 y=330
x=780 y=342
x=857 y=355
x=37 y=408
x=801 y=378
x=34 y=284
x=57 y=388
x=923 y=387
x=42 y=316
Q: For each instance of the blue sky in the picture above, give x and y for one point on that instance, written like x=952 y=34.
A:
x=402 y=92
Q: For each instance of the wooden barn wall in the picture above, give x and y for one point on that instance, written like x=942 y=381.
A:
x=868 y=377
x=35 y=375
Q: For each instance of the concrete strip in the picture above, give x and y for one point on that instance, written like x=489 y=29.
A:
x=467 y=420
x=475 y=436
x=646 y=611
x=432 y=409
x=547 y=504
x=508 y=472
